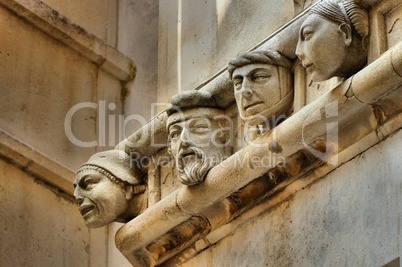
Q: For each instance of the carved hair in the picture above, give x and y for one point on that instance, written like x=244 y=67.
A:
x=269 y=57
x=136 y=188
x=346 y=11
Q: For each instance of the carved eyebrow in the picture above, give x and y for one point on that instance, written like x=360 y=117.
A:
x=198 y=121
x=237 y=77
x=260 y=69
x=174 y=127
x=81 y=180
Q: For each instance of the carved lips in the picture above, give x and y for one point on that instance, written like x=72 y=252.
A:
x=252 y=108
x=86 y=208
x=308 y=67
x=186 y=154
x=250 y=105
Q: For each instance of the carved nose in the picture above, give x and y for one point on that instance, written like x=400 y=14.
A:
x=246 y=89
x=79 y=200
x=78 y=197
x=299 y=52
x=184 y=139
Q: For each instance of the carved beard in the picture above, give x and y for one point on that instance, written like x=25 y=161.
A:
x=194 y=170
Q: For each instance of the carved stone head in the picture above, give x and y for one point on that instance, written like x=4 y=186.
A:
x=109 y=189
x=197 y=135
x=333 y=39
x=263 y=85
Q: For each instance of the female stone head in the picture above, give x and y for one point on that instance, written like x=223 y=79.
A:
x=333 y=39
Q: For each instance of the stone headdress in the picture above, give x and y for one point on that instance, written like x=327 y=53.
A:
x=192 y=103
x=118 y=167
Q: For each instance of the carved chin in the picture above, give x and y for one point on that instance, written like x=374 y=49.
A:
x=192 y=169
x=93 y=219
x=194 y=172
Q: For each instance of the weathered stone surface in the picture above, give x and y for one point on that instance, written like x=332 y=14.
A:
x=37 y=95
x=324 y=223
x=184 y=30
x=34 y=229
x=96 y=16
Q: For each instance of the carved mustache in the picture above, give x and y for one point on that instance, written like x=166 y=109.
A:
x=190 y=151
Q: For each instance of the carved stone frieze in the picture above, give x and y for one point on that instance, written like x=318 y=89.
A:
x=217 y=187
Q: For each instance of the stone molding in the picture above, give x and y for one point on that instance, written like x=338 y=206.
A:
x=73 y=36
x=31 y=161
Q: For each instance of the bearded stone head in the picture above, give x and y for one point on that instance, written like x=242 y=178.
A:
x=197 y=135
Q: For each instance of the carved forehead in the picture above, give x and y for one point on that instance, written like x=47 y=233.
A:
x=90 y=172
x=114 y=163
x=193 y=121
x=248 y=69
x=210 y=114
x=269 y=57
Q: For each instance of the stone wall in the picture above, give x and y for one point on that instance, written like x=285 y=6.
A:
x=66 y=71
x=197 y=38
x=350 y=217
x=39 y=226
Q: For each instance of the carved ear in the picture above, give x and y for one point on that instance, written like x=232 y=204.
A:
x=346 y=32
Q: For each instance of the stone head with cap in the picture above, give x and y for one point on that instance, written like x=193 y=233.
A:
x=108 y=188
x=197 y=135
x=263 y=85
x=333 y=39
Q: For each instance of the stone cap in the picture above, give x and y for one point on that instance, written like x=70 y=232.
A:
x=269 y=57
x=202 y=102
x=116 y=162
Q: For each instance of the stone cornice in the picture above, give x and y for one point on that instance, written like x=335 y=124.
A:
x=73 y=36
x=33 y=162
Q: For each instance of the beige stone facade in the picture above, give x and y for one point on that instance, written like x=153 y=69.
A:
x=77 y=78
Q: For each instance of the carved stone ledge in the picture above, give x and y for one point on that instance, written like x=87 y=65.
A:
x=60 y=28
x=33 y=162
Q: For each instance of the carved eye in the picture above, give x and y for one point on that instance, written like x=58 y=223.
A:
x=306 y=35
x=174 y=134
x=237 y=83
x=88 y=184
x=202 y=128
x=261 y=77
